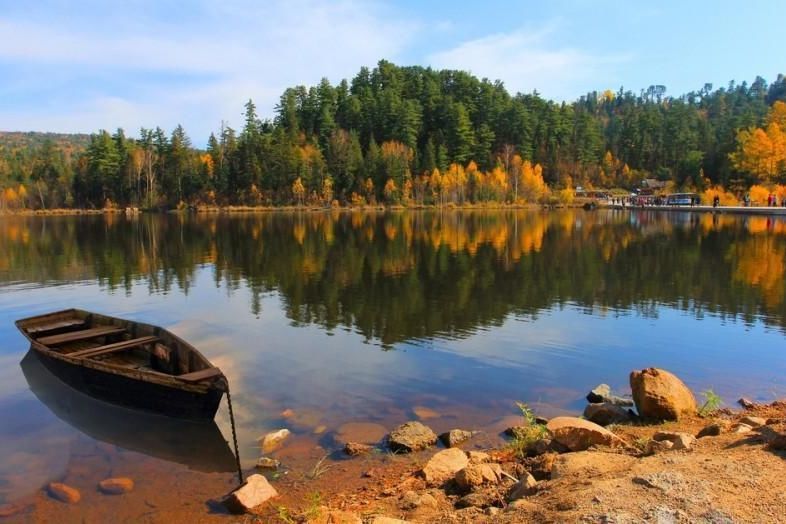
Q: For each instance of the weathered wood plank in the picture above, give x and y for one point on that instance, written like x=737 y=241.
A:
x=36 y=330
x=111 y=348
x=202 y=374
x=84 y=334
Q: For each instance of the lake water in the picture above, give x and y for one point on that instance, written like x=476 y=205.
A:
x=370 y=317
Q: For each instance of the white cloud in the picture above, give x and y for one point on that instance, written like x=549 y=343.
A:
x=524 y=61
x=143 y=69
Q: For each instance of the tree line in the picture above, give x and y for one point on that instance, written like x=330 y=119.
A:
x=414 y=135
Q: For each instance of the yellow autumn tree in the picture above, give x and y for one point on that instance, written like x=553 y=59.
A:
x=762 y=152
x=391 y=191
x=533 y=187
x=298 y=191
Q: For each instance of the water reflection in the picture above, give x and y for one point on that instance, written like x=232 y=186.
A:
x=200 y=446
x=402 y=276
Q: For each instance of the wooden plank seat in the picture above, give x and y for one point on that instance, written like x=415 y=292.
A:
x=60 y=324
x=84 y=334
x=112 y=348
x=202 y=374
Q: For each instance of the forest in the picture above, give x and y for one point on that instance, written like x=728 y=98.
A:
x=417 y=136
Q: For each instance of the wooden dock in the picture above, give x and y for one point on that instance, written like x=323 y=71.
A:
x=736 y=210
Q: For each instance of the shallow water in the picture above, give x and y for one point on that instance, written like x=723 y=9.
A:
x=363 y=317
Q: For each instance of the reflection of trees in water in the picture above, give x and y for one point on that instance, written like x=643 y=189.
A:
x=395 y=276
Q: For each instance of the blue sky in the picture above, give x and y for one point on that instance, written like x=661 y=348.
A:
x=78 y=66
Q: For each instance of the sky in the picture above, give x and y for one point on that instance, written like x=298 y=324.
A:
x=84 y=65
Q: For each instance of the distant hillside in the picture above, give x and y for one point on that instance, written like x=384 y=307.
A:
x=17 y=140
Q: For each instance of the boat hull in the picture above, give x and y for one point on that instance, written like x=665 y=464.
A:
x=130 y=392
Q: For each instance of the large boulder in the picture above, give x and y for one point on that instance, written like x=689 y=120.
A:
x=578 y=434
x=255 y=491
x=411 y=436
x=660 y=395
x=444 y=465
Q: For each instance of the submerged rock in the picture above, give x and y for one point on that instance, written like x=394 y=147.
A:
x=606 y=413
x=64 y=493
x=660 y=395
x=454 y=437
x=443 y=465
x=116 y=486
x=354 y=449
x=411 y=436
x=256 y=490
x=268 y=463
x=273 y=440
x=578 y=434
x=361 y=432
x=424 y=413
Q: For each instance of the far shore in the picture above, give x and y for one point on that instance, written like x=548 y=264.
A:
x=578 y=203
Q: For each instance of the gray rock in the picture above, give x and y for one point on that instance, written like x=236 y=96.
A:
x=716 y=516
x=606 y=413
x=659 y=446
x=411 y=436
x=454 y=437
x=602 y=394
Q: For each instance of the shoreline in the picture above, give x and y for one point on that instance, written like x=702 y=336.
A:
x=735 y=210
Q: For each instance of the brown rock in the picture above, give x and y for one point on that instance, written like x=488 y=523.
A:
x=525 y=486
x=606 y=413
x=444 y=465
x=476 y=500
x=116 y=486
x=335 y=516
x=659 y=446
x=475 y=475
x=578 y=434
x=64 y=493
x=754 y=422
x=739 y=427
x=454 y=437
x=362 y=432
x=660 y=395
x=679 y=440
x=256 y=490
x=353 y=449
x=478 y=457
x=411 y=500
x=411 y=436
x=522 y=505
x=778 y=442
x=746 y=403
x=387 y=520
x=713 y=430
x=7 y=510
x=267 y=463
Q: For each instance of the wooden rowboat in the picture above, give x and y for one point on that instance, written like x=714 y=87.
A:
x=197 y=444
x=128 y=363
